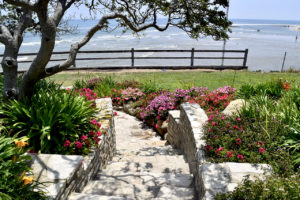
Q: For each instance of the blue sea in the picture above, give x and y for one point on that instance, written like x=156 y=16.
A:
x=267 y=41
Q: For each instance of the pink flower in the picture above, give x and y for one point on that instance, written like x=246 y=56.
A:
x=83 y=138
x=94 y=122
x=261 y=150
x=219 y=149
x=222 y=117
x=238 y=119
x=210 y=130
x=78 y=144
x=67 y=143
x=99 y=133
x=115 y=113
x=235 y=127
x=240 y=156
x=213 y=123
x=156 y=126
x=238 y=141
x=229 y=154
x=98 y=125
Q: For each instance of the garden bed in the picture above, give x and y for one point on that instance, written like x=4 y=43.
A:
x=63 y=174
x=186 y=132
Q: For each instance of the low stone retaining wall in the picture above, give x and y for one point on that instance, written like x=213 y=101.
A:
x=185 y=131
x=63 y=174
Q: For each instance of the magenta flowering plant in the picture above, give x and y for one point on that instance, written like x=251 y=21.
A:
x=235 y=139
x=82 y=144
x=159 y=107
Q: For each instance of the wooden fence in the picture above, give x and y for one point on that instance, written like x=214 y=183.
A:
x=241 y=55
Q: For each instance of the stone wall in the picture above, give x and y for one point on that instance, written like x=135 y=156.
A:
x=63 y=174
x=185 y=131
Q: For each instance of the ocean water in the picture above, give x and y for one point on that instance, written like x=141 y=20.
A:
x=267 y=41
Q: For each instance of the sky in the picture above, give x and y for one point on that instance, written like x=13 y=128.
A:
x=265 y=9
x=249 y=9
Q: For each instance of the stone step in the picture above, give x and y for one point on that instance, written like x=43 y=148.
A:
x=82 y=196
x=136 y=190
x=121 y=188
x=150 y=179
x=175 y=193
x=149 y=151
x=147 y=164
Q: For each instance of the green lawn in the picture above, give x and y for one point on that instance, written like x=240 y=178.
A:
x=182 y=79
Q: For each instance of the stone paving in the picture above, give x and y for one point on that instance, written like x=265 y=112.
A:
x=144 y=168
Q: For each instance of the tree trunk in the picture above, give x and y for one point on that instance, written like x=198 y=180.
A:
x=10 y=71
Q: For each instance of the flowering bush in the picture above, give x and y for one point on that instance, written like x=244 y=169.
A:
x=16 y=181
x=50 y=119
x=125 y=95
x=216 y=100
x=159 y=107
x=81 y=144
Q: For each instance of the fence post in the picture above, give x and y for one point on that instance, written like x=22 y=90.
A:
x=245 y=58
x=192 y=57
x=283 y=62
x=132 y=57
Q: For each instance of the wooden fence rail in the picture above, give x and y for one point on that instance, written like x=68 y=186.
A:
x=132 y=56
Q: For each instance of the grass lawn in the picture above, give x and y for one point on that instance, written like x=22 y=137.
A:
x=183 y=79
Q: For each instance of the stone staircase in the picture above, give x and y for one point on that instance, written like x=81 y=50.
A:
x=143 y=168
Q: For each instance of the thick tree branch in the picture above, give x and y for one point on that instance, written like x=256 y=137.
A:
x=23 y=3
x=76 y=47
x=5 y=35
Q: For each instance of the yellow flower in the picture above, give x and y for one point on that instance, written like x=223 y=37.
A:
x=27 y=179
x=21 y=143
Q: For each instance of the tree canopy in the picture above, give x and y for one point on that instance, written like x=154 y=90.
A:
x=198 y=18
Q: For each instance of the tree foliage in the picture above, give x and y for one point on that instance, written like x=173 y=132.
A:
x=198 y=18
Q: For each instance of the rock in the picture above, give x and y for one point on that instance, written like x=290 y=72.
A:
x=234 y=107
x=128 y=108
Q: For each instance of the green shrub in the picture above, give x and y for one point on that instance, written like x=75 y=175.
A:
x=273 y=89
x=274 y=187
x=50 y=119
x=13 y=165
x=78 y=84
x=150 y=87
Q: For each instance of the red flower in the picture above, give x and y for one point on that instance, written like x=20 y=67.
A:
x=210 y=130
x=192 y=101
x=83 y=138
x=67 y=143
x=286 y=86
x=78 y=144
x=96 y=139
x=235 y=127
x=156 y=126
x=229 y=154
x=207 y=147
x=115 y=113
x=261 y=150
x=238 y=141
x=213 y=123
x=92 y=133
